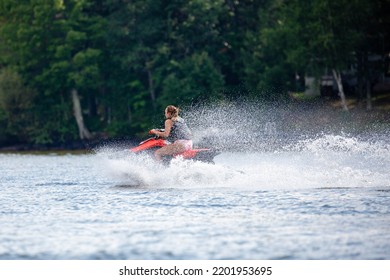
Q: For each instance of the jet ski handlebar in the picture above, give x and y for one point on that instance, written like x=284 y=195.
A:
x=158 y=129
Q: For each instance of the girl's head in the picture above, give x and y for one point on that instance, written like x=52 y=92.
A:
x=171 y=111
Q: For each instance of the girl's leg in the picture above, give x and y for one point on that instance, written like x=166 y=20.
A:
x=171 y=149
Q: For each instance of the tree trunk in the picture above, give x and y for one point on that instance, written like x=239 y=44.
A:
x=369 y=95
x=338 y=79
x=83 y=131
x=360 y=79
x=151 y=88
x=367 y=82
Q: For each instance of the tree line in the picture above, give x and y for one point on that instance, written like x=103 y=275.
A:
x=79 y=69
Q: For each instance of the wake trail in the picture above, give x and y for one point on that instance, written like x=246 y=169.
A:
x=327 y=161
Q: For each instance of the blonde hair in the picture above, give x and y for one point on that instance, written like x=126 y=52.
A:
x=173 y=111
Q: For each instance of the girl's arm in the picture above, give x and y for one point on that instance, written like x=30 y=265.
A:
x=167 y=130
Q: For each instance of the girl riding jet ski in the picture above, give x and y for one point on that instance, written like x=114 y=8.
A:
x=176 y=132
x=178 y=140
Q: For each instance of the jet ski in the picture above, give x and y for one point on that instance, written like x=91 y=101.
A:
x=152 y=144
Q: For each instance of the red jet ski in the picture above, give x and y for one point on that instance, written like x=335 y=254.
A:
x=152 y=144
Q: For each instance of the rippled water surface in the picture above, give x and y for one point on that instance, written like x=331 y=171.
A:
x=325 y=198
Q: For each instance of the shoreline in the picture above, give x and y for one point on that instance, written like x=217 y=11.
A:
x=297 y=118
x=47 y=152
x=75 y=147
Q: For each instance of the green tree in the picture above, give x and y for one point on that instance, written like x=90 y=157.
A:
x=167 y=47
x=55 y=46
x=321 y=34
x=193 y=79
x=15 y=107
x=193 y=40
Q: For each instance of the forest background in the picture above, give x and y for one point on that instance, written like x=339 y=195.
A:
x=75 y=70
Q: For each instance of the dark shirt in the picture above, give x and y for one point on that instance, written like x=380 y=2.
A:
x=179 y=131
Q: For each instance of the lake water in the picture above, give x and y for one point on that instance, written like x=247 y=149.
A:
x=323 y=198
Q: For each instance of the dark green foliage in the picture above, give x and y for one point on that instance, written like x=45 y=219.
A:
x=129 y=59
x=16 y=101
